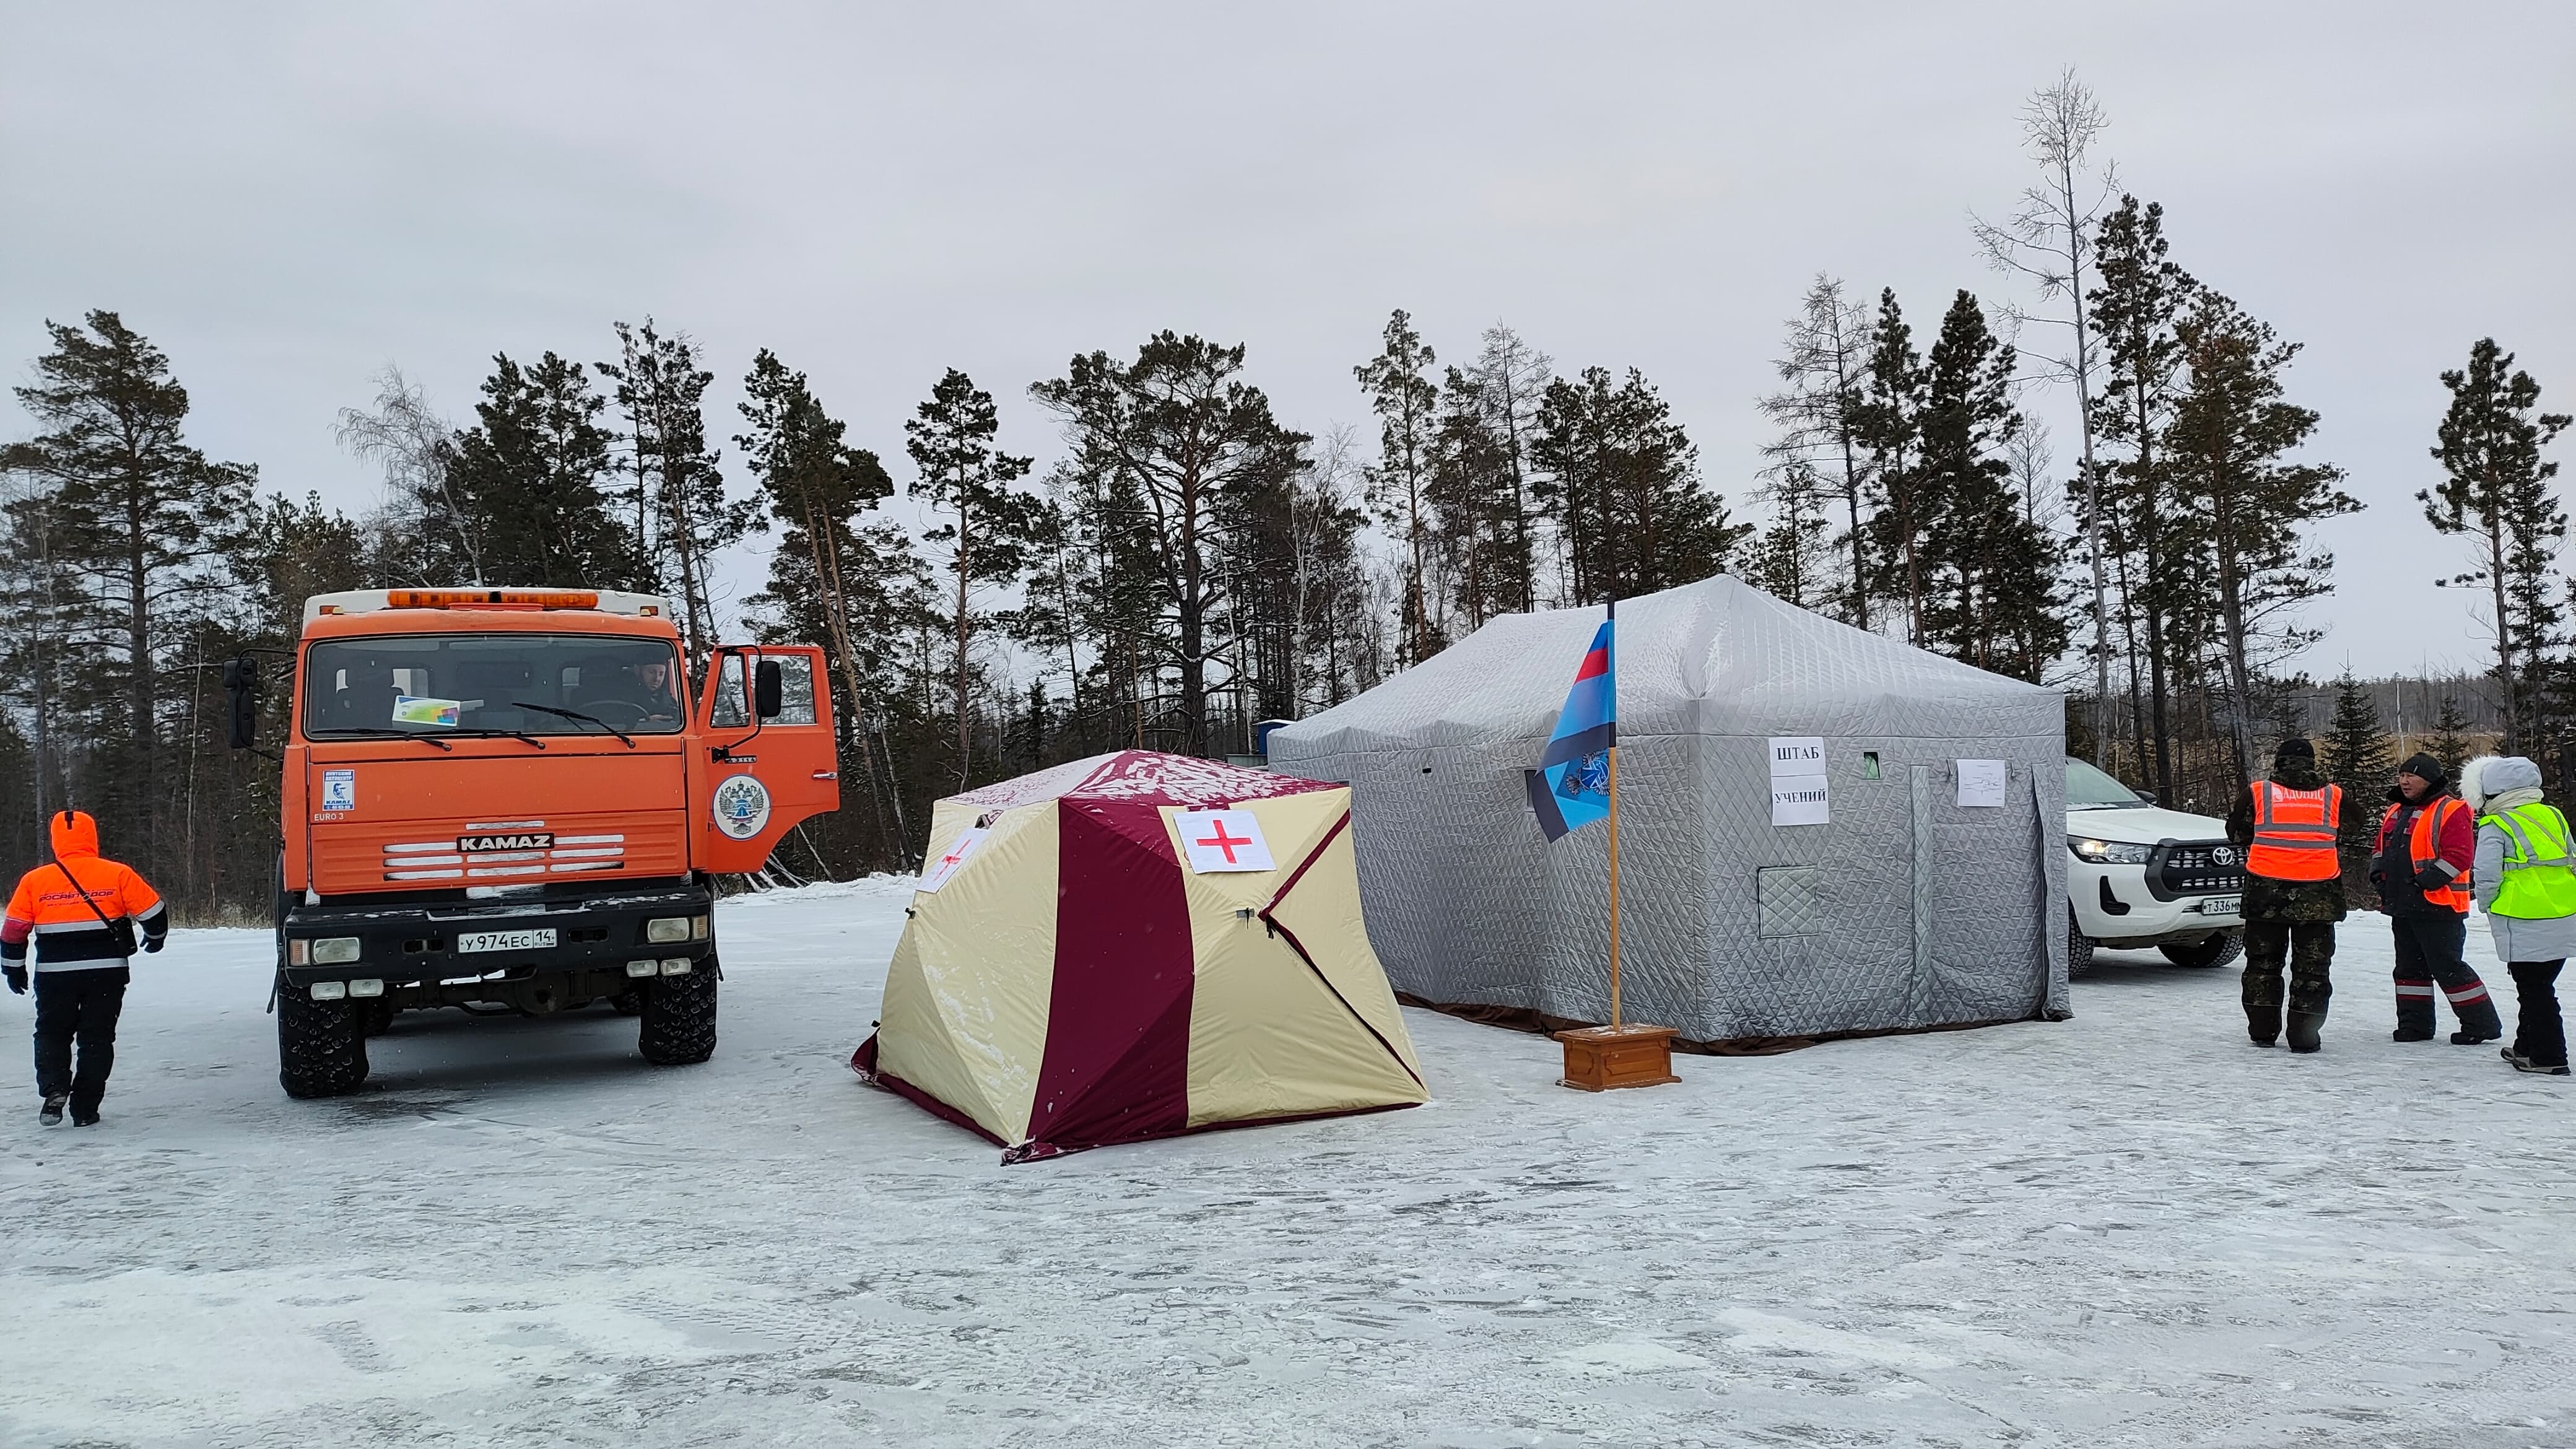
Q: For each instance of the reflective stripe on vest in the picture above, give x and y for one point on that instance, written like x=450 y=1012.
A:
x=2294 y=832
x=2424 y=847
x=2538 y=884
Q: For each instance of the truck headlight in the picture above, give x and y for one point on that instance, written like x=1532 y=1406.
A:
x=666 y=929
x=642 y=968
x=335 y=950
x=676 y=966
x=2109 y=852
x=330 y=990
x=367 y=986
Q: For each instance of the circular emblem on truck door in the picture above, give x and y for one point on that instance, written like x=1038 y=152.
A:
x=741 y=806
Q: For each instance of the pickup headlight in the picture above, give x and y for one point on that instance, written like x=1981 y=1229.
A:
x=667 y=929
x=2109 y=852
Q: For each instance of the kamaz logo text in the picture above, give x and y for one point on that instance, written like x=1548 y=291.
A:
x=543 y=840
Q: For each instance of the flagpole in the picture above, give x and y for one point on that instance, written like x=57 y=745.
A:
x=1614 y=816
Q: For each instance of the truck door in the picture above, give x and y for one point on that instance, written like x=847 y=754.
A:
x=751 y=780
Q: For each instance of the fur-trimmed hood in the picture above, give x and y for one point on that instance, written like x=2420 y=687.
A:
x=2499 y=782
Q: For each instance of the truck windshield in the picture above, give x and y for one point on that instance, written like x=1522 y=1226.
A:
x=2090 y=789
x=530 y=684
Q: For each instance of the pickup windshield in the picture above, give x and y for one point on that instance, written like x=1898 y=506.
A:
x=2090 y=789
x=469 y=684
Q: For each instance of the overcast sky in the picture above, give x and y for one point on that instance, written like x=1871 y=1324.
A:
x=288 y=198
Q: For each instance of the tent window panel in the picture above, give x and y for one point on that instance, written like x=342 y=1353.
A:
x=1791 y=898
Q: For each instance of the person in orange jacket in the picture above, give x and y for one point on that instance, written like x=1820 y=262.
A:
x=2427 y=842
x=81 y=911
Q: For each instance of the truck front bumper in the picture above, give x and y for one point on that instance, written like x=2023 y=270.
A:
x=419 y=946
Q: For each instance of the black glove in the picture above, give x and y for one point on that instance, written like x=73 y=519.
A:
x=2432 y=878
x=153 y=943
x=17 y=978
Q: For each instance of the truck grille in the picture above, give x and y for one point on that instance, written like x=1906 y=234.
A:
x=2208 y=868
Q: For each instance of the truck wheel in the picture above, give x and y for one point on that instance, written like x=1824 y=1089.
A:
x=376 y=1017
x=680 y=1018
x=2218 y=950
x=321 y=1045
x=2079 y=950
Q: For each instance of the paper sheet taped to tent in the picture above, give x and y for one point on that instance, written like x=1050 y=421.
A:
x=1077 y=985
x=1911 y=911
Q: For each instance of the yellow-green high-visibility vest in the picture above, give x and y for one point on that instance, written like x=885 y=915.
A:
x=2539 y=879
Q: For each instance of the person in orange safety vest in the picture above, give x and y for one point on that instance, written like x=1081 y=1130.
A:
x=2293 y=895
x=82 y=913
x=2427 y=842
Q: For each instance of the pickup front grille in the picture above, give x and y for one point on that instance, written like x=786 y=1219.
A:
x=2204 y=868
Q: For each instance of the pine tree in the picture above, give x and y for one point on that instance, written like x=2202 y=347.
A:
x=1792 y=558
x=682 y=516
x=2139 y=307
x=1624 y=481
x=530 y=479
x=1504 y=388
x=991 y=525
x=1401 y=393
x=2356 y=758
x=136 y=519
x=2245 y=504
x=2450 y=743
x=839 y=575
x=2497 y=493
x=1181 y=451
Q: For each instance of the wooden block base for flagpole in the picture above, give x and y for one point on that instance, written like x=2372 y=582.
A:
x=1601 y=1058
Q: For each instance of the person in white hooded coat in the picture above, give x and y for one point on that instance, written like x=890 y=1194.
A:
x=2524 y=864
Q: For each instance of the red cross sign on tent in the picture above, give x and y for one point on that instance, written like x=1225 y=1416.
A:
x=1223 y=840
x=936 y=872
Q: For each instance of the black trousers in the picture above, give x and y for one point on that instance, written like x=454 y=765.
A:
x=2540 y=1034
x=78 y=1007
x=2429 y=955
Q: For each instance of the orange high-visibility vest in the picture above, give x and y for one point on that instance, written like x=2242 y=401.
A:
x=2294 y=832
x=2424 y=846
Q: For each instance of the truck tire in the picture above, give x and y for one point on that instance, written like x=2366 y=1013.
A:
x=2079 y=950
x=321 y=1045
x=679 y=1016
x=376 y=1016
x=2218 y=950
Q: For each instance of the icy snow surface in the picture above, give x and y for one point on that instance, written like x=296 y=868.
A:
x=2126 y=1229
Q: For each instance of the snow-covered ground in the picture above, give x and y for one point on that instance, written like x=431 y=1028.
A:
x=2126 y=1229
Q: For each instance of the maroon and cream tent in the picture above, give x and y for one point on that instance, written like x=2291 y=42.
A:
x=1138 y=945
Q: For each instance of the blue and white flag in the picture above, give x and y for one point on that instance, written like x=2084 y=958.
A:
x=1571 y=786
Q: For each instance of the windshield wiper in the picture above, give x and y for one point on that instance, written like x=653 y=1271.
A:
x=483 y=733
x=574 y=714
x=381 y=732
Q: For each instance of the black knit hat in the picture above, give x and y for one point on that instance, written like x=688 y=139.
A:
x=2295 y=748
x=2427 y=768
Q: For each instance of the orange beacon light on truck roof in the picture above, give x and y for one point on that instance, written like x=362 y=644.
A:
x=371 y=601
x=449 y=598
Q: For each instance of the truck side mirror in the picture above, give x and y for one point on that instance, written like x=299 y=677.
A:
x=768 y=690
x=241 y=701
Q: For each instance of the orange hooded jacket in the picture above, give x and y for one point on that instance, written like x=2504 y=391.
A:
x=49 y=909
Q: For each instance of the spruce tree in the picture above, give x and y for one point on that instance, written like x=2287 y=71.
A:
x=2450 y=743
x=1903 y=501
x=2356 y=758
x=2496 y=493
x=990 y=526
x=1624 y=482
x=1989 y=587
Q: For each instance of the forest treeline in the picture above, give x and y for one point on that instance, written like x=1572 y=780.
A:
x=1187 y=563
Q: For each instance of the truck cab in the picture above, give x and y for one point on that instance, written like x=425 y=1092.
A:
x=512 y=798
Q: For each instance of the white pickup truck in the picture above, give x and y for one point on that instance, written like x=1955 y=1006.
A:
x=2141 y=876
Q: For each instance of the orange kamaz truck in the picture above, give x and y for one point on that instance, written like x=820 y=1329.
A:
x=512 y=798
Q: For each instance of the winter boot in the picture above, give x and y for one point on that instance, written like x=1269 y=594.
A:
x=2473 y=1036
x=85 y=1119
x=2538 y=1069
x=2263 y=1022
x=2304 y=1026
x=52 y=1116
x=2414 y=1010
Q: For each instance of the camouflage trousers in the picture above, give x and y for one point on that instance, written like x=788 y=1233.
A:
x=2306 y=948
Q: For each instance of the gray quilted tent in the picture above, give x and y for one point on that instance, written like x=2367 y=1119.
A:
x=1905 y=909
